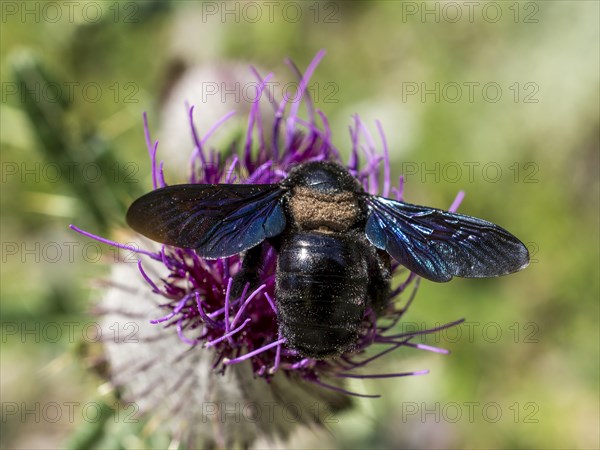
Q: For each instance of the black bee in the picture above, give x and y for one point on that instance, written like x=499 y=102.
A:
x=333 y=242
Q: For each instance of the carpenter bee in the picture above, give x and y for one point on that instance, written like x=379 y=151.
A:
x=333 y=242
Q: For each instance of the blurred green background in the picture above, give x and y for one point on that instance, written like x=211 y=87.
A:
x=500 y=99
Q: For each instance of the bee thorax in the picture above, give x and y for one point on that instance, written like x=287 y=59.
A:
x=314 y=210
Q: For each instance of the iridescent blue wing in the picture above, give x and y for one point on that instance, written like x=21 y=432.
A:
x=438 y=245
x=218 y=220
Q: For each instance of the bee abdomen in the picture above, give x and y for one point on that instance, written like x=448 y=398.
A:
x=321 y=292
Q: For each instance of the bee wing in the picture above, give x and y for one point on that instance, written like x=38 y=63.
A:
x=218 y=220
x=438 y=245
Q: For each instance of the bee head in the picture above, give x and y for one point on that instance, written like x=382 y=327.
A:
x=324 y=177
x=324 y=197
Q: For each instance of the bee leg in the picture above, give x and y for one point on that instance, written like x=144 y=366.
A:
x=379 y=280
x=249 y=272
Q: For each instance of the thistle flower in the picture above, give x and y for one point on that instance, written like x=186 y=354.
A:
x=201 y=349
